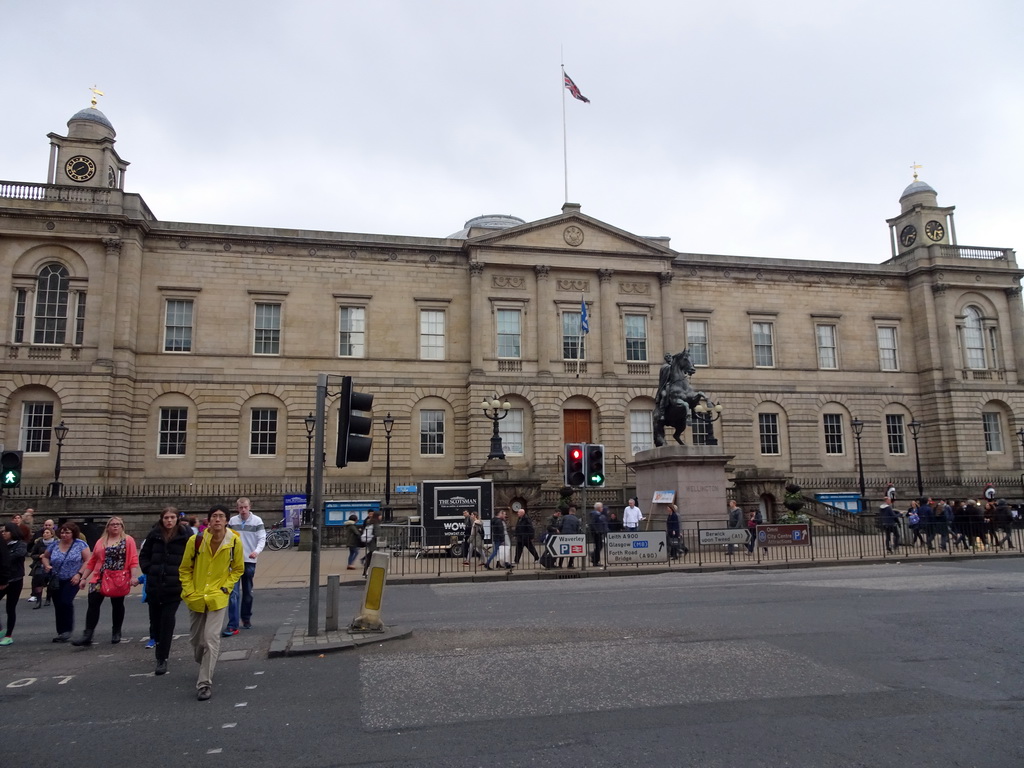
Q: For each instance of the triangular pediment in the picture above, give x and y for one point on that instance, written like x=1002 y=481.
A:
x=572 y=232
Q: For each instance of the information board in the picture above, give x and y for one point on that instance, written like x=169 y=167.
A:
x=636 y=547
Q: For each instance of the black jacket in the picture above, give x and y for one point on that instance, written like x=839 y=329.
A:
x=159 y=560
x=524 y=529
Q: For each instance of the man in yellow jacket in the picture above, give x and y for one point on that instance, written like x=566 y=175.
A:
x=212 y=563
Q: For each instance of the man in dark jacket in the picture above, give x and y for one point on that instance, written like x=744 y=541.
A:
x=568 y=525
x=888 y=521
x=498 y=533
x=598 y=530
x=524 y=535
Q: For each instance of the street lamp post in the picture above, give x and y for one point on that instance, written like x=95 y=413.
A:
x=915 y=430
x=310 y=422
x=858 y=427
x=57 y=487
x=710 y=412
x=495 y=410
x=389 y=424
x=1020 y=436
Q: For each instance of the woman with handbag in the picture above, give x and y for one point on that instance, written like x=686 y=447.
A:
x=369 y=539
x=111 y=572
x=37 y=572
x=62 y=561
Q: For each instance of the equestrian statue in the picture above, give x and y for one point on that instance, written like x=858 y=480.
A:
x=676 y=398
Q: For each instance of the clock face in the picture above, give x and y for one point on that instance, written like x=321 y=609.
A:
x=111 y=177
x=80 y=168
x=934 y=230
x=908 y=235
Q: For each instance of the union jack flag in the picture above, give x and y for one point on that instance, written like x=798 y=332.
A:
x=573 y=89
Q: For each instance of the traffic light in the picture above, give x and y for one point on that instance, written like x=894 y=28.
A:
x=574 y=474
x=10 y=465
x=353 y=431
x=595 y=466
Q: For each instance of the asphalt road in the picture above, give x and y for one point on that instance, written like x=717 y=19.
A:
x=901 y=665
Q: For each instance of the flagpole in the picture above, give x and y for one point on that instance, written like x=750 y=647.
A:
x=565 y=143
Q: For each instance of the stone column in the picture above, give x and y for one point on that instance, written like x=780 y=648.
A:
x=1016 y=310
x=477 y=317
x=669 y=317
x=108 y=312
x=545 y=313
x=606 y=307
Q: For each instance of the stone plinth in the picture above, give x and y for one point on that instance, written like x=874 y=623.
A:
x=695 y=472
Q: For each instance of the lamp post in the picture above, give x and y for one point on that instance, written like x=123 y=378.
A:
x=710 y=412
x=389 y=424
x=915 y=430
x=858 y=427
x=310 y=422
x=57 y=487
x=495 y=410
x=1020 y=436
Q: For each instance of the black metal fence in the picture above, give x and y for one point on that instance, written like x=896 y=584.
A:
x=417 y=552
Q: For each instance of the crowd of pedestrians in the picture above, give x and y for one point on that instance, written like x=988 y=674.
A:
x=209 y=567
x=948 y=524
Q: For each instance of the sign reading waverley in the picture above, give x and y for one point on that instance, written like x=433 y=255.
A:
x=442 y=503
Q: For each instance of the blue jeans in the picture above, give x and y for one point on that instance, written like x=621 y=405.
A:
x=241 y=599
x=353 y=553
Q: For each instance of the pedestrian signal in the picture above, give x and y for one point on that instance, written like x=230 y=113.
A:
x=10 y=466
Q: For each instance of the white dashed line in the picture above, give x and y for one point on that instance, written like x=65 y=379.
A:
x=216 y=751
x=229 y=725
x=242 y=704
x=249 y=687
x=258 y=673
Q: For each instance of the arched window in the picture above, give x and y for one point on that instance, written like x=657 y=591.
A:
x=51 y=317
x=974 y=339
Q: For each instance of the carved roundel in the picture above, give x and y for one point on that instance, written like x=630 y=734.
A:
x=573 y=235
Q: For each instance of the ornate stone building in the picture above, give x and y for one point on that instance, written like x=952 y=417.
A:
x=187 y=353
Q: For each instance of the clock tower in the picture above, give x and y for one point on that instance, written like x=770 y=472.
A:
x=922 y=221
x=86 y=156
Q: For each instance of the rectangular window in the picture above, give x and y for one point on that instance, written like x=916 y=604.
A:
x=178 y=326
x=36 y=427
x=512 y=432
x=352 y=338
x=572 y=339
x=895 y=434
x=80 y=319
x=431 y=433
x=263 y=432
x=827 y=358
x=699 y=429
x=992 y=348
x=764 y=349
x=431 y=334
x=768 y=433
x=833 y=423
x=173 y=431
x=993 y=432
x=51 y=318
x=267 y=330
x=697 y=341
x=888 y=355
x=509 y=323
x=636 y=338
x=641 y=430
x=19 y=315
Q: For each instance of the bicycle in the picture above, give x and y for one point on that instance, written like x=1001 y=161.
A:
x=280 y=536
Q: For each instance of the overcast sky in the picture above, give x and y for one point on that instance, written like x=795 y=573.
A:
x=745 y=127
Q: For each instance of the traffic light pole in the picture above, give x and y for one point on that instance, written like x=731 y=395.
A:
x=316 y=513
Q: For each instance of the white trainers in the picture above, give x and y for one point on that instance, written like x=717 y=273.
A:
x=33 y=599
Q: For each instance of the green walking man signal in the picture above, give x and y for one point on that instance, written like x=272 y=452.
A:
x=10 y=466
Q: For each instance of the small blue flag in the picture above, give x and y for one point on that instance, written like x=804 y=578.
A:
x=584 y=325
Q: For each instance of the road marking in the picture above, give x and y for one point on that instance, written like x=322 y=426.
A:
x=143 y=674
x=249 y=687
x=216 y=751
x=64 y=679
x=229 y=725
x=22 y=682
x=242 y=704
x=258 y=673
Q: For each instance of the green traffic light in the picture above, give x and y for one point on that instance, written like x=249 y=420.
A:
x=11 y=479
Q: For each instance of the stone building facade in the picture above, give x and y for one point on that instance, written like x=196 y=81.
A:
x=188 y=353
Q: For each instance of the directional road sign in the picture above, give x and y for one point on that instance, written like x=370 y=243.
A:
x=567 y=545
x=636 y=547
x=793 y=535
x=709 y=536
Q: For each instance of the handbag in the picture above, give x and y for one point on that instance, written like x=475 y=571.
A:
x=367 y=535
x=53 y=583
x=115 y=583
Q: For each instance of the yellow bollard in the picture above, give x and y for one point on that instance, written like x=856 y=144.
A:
x=369 y=619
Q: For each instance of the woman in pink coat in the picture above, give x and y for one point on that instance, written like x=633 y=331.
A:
x=111 y=572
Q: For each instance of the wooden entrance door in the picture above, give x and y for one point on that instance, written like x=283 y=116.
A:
x=576 y=425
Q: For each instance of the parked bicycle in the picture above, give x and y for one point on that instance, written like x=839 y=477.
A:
x=280 y=536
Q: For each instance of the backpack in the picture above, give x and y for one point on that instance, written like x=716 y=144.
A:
x=913 y=518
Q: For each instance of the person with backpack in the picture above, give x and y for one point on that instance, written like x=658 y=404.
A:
x=212 y=565
x=914 y=523
x=160 y=559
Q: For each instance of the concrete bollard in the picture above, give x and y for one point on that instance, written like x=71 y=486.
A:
x=333 y=595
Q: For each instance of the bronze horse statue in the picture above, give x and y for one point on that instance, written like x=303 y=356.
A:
x=676 y=398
